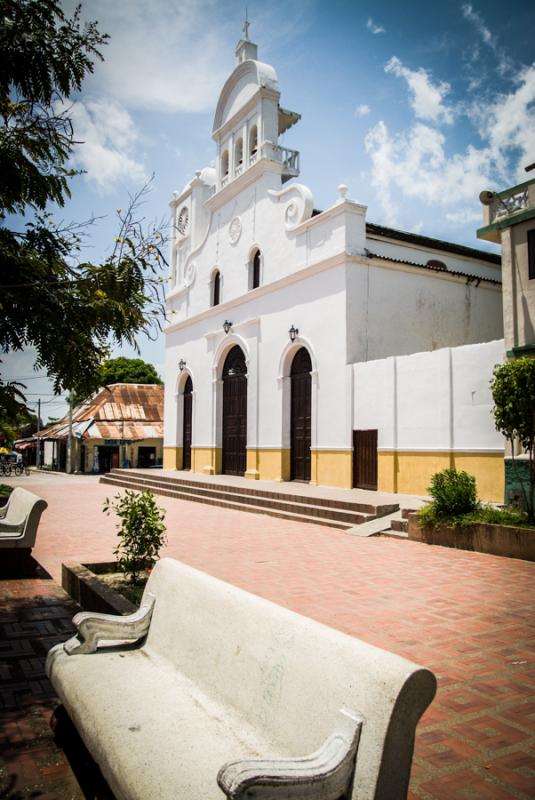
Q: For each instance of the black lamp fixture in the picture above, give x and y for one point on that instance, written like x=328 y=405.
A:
x=293 y=332
x=181 y=365
x=227 y=326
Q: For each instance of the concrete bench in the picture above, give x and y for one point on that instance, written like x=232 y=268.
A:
x=19 y=520
x=208 y=691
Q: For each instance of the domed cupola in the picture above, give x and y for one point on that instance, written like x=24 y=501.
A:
x=249 y=120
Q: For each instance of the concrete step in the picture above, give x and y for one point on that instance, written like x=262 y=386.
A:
x=231 y=503
x=400 y=525
x=315 y=509
x=315 y=500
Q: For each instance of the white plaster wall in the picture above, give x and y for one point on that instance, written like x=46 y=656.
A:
x=430 y=401
x=261 y=326
x=395 y=311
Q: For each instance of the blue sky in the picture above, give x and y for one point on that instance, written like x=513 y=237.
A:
x=415 y=106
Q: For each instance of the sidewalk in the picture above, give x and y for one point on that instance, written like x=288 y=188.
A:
x=469 y=617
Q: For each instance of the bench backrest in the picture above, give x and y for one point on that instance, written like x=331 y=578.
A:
x=24 y=511
x=289 y=675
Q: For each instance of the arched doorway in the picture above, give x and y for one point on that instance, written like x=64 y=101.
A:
x=234 y=412
x=186 y=429
x=301 y=392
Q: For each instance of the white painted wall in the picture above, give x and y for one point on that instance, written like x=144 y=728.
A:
x=430 y=401
x=397 y=311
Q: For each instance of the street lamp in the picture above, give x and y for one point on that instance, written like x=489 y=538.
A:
x=181 y=365
x=227 y=326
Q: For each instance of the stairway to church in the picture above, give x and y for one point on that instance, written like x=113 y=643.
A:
x=313 y=508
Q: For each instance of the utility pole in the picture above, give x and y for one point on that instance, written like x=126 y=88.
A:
x=70 y=466
x=38 y=453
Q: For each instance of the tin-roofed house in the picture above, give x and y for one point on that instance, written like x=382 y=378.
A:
x=120 y=425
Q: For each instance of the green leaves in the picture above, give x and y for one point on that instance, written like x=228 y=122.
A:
x=70 y=312
x=513 y=391
x=141 y=532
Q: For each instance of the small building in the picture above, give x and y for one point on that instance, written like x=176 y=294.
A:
x=119 y=426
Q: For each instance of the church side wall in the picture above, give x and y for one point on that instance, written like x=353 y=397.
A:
x=432 y=410
x=396 y=311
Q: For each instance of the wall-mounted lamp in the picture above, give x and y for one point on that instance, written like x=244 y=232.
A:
x=293 y=332
x=181 y=365
x=227 y=326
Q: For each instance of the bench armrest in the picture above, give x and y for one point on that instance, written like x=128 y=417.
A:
x=326 y=774
x=94 y=628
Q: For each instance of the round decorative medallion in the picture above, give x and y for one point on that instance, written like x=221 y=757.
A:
x=182 y=220
x=234 y=230
x=189 y=273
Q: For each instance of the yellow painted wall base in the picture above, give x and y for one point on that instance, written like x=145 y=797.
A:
x=331 y=468
x=172 y=458
x=268 y=465
x=206 y=460
x=410 y=472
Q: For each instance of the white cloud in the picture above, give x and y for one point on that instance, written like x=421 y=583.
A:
x=504 y=62
x=362 y=111
x=427 y=98
x=417 y=164
x=108 y=137
x=464 y=216
x=373 y=27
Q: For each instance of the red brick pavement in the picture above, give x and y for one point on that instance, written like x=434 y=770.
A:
x=467 y=616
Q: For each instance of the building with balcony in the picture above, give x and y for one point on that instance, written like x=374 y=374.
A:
x=289 y=328
x=509 y=218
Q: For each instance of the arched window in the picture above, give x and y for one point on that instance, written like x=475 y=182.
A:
x=215 y=289
x=254 y=279
x=224 y=164
x=253 y=143
x=238 y=156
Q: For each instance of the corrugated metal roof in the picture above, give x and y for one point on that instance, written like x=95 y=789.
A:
x=477 y=279
x=130 y=431
x=118 y=403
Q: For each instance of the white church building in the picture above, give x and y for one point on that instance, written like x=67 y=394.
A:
x=318 y=346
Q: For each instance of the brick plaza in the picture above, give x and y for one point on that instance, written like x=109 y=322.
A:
x=469 y=617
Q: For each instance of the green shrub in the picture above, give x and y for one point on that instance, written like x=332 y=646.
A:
x=454 y=495
x=512 y=516
x=141 y=532
x=5 y=490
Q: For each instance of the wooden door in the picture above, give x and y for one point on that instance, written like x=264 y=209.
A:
x=186 y=430
x=301 y=391
x=365 y=459
x=234 y=413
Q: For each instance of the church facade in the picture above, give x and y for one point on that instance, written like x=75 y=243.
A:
x=275 y=309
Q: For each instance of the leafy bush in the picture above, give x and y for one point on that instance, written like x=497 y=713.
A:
x=141 y=532
x=5 y=490
x=454 y=495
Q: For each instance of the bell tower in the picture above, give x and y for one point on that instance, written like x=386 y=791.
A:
x=249 y=120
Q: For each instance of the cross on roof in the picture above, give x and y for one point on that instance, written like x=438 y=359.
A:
x=246 y=26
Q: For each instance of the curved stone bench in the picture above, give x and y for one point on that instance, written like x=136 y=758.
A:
x=19 y=521
x=208 y=691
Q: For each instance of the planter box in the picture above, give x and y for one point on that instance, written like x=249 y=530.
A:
x=497 y=540
x=92 y=594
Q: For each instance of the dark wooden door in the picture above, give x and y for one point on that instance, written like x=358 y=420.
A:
x=186 y=430
x=234 y=413
x=301 y=391
x=365 y=459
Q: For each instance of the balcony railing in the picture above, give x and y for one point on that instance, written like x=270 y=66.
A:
x=509 y=202
x=290 y=162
